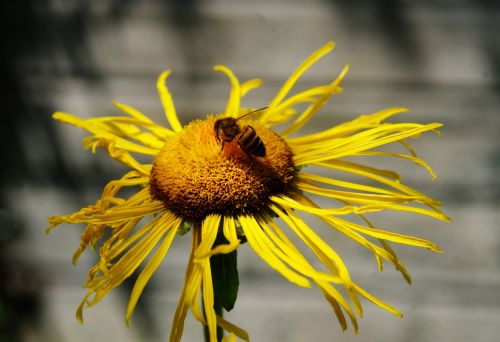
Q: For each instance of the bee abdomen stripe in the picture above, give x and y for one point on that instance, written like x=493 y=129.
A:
x=258 y=148
x=247 y=135
x=254 y=143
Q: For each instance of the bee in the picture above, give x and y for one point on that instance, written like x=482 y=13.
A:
x=228 y=132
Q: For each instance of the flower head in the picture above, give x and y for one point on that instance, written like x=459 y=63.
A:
x=231 y=186
x=195 y=176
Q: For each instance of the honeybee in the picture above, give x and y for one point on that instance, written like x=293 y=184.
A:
x=228 y=132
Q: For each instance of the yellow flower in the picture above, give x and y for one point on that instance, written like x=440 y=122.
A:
x=219 y=184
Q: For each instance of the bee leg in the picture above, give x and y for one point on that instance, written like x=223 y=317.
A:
x=221 y=147
x=249 y=158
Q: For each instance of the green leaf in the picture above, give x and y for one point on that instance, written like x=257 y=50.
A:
x=225 y=277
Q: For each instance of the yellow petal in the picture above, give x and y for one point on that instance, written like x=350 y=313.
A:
x=233 y=104
x=233 y=329
x=182 y=307
x=106 y=132
x=294 y=77
x=250 y=227
x=250 y=85
x=330 y=293
x=347 y=128
x=317 y=105
x=362 y=142
x=378 y=302
x=229 y=231
x=150 y=268
x=290 y=257
x=159 y=131
x=414 y=159
x=128 y=263
x=320 y=248
x=208 y=300
x=209 y=228
x=168 y=103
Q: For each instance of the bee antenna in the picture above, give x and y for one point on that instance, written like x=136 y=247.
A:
x=252 y=112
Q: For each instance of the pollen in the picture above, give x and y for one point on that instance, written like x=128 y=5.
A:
x=195 y=175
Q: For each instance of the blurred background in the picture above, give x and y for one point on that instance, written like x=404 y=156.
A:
x=440 y=58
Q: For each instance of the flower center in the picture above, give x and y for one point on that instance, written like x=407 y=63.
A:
x=199 y=172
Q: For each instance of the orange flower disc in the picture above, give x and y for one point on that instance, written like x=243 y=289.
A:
x=194 y=176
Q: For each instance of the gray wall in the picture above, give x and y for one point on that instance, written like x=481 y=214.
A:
x=439 y=58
